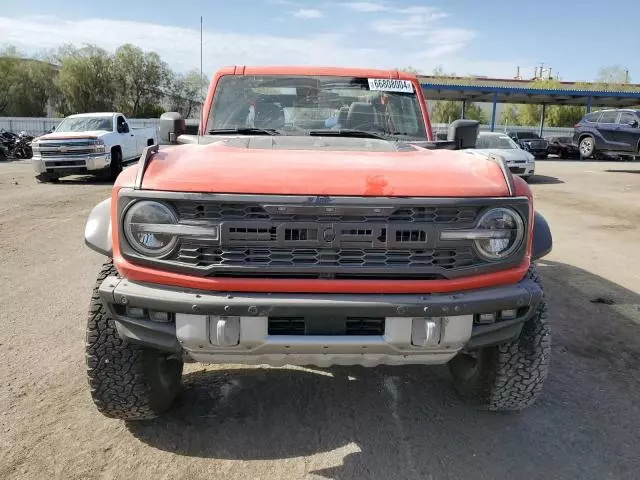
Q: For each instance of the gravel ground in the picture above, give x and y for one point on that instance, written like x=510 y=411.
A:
x=339 y=423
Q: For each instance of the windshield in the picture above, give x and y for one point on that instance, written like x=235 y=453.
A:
x=495 y=141
x=296 y=105
x=524 y=135
x=85 y=124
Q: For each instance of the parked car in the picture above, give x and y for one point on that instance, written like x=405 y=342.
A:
x=563 y=147
x=272 y=239
x=531 y=142
x=519 y=161
x=94 y=143
x=614 y=131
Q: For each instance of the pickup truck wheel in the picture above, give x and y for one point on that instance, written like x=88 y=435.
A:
x=509 y=376
x=116 y=165
x=587 y=147
x=127 y=381
x=46 y=178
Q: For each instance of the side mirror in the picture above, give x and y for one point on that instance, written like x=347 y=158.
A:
x=464 y=133
x=634 y=124
x=172 y=125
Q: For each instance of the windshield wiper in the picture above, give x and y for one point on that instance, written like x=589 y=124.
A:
x=345 y=132
x=244 y=131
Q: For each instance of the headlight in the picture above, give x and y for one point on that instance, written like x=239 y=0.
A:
x=149 y=227
x=97 y=145
x=499 y=233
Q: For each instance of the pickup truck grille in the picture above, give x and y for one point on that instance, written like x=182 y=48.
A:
x=263 y=236
x=71 y=147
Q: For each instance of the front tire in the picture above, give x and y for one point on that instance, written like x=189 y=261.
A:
x=510 y=376
x=587 y=147
x=127 y=381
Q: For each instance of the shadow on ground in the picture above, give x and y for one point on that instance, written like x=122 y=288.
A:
x=392 y=422
x=623 y=171
x=544 y=179
x=83 y=180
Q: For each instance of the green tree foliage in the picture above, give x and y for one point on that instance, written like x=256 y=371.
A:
x=510 y=115
x=141 y=79
x=446 y=111
x=185 y=92
x=86 y=79
x=26 y=85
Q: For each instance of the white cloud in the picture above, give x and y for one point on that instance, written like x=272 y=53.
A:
x=307 y=13
x=180 y=47
x=366 y=6
x=416 y=21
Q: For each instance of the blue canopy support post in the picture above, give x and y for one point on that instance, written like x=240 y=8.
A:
x=588 y=104
x=464 y=107
x=544 y=107
x=493 y=111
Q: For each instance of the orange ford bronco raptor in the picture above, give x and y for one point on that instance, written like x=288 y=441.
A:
x=313 y=220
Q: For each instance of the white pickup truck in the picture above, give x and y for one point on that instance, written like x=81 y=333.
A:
x=94 y=143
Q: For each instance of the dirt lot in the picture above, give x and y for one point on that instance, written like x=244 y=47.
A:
x=341 y=423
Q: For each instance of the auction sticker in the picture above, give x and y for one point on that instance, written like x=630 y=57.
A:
x=390 y=85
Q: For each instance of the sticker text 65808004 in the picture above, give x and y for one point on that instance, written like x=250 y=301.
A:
x=390 y=85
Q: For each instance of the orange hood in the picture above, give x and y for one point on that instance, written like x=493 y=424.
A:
x=220 y=167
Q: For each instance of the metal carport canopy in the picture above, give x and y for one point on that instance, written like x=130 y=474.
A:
x=510 y=94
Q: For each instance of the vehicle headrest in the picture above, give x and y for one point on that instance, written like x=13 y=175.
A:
x=269 y=115
x=361 y=116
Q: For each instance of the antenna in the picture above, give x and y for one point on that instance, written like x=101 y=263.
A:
x=201 y=78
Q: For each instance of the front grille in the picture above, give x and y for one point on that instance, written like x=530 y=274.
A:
x=326 y=326
x=69 y=153
x=517 y=169
x=216 y=212
x=295 y=237
x=208 y=256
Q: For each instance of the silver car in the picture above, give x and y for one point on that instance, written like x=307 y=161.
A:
x=519 y=161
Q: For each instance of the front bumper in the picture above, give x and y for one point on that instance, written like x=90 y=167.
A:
x=72 y=164
x=522 y=169
x=234 y=328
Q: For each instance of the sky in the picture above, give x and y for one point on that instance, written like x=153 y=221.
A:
x=465 y=37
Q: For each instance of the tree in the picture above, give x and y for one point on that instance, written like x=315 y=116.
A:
x=141 y=79
x=446 y=111
x=474 y=112
x=612 y=75
x=510 y=115
x=185 y=92
x=26 y=84
x=86 y=79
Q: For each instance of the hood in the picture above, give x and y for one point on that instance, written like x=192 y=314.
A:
x=509 y=154
x=66 y=135
x=271 y=166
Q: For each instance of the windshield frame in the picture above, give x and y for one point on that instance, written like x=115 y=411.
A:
x=70 y=120
x=416 y=117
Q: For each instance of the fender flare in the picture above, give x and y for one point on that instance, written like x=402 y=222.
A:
x=542 y=240
x=97 y=230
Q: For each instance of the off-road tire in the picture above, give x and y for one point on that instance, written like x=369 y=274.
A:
x=510 y=376
x=46 y=178
x=127 y=381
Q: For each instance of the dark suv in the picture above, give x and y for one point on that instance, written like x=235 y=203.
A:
x=531 y=142
x=610 y=131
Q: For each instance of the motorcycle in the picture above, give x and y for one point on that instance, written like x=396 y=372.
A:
x=23 y=145
x=14 y=145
